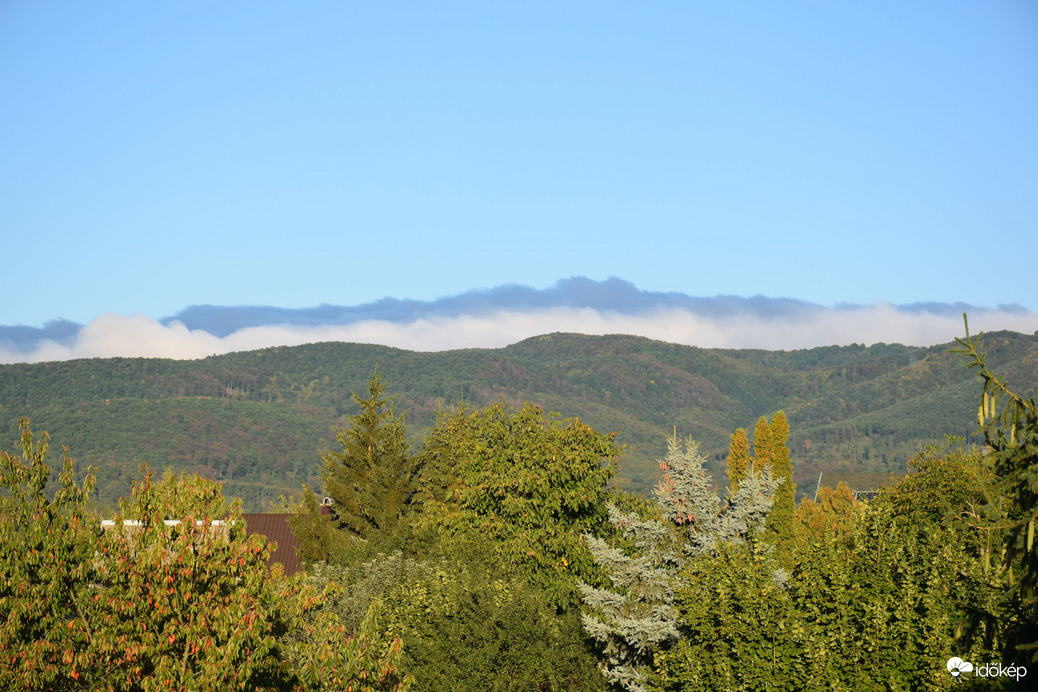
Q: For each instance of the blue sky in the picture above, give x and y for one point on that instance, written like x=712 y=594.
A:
x=159 y=155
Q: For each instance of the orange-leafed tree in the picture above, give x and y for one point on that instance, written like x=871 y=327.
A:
x=150 y=604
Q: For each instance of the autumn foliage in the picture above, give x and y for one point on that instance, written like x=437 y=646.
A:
x=147 y=605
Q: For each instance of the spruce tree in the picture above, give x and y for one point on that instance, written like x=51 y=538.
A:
x=371 y=479
x=636 y=618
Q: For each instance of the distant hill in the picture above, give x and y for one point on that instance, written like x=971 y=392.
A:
x=257 y=420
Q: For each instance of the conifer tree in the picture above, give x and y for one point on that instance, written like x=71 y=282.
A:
x=769 y=450
x=437 y=463
x=636 y=618
x=776 y=454
x=371 y=479
x=318 y=538
x=762 y=445
x=738 y=459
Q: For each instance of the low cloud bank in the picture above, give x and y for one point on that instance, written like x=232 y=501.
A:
x=502 y=316
x=140 y=336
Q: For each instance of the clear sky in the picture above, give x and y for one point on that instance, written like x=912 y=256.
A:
x=155 y=155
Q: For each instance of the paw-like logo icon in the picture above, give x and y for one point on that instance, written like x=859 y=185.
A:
x=956 y=666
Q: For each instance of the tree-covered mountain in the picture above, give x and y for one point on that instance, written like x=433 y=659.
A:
x=257 y=421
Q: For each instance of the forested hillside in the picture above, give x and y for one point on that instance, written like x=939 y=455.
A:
x=258 y=420
x=497 y=555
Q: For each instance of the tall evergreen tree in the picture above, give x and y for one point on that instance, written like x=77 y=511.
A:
x=769 y=451
x=439 y=461
x=371 y=479
x=636 y=619
x=739 y=459
x=762 y=442
x=776 y=454
x=318 y=538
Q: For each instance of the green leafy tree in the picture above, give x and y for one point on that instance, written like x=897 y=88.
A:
x=871 y=596
x=528 y=485
x=735 y=613
x=45 y=571
x=466 y=627
x=179 y=495
x=371 y=479
x=196 y=605
x=324 y=657
x=915 y=581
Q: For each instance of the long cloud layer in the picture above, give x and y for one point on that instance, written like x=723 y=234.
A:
x=501 y=316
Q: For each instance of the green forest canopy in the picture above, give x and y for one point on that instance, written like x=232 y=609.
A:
x=257 y=421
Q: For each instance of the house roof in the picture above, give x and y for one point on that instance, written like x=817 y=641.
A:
x=275 y=527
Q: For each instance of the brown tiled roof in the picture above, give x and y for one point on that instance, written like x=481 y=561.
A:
x=275 y=528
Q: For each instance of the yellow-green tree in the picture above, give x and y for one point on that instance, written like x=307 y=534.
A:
x=769 y=444
x=319 y=539
x=770 y=450
x=46 y=573
x=739 y=459
x=870 y=596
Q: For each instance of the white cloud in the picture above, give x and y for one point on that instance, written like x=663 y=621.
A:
x=140 y=336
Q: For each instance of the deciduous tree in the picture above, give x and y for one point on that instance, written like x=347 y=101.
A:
x=150 y=604
x=529 y=484
x=1010 y=426
x=46 y=571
